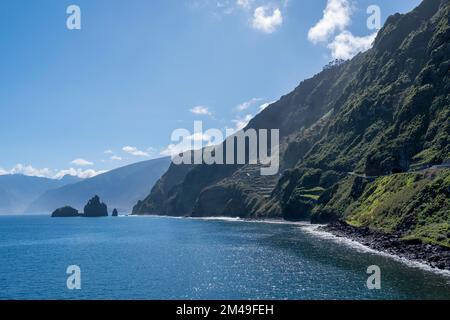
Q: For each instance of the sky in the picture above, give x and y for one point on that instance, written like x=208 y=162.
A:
x=85 y=101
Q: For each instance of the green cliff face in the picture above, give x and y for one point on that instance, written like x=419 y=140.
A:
x=385 y=111
x=414 y=205
x=394 y=113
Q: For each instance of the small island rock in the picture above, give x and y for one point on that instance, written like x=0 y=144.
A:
x=65 y=212
x=115 y=213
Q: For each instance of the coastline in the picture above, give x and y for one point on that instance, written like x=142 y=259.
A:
x=437 y=258
x=432 y=258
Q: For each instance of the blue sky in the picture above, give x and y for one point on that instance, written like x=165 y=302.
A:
x=110 y=94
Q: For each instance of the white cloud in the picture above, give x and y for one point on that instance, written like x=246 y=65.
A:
x=173 y=150
x=82 y=162
x=265 y=21
x=116 y=158
x=265 y=105
x=201 y=110
x=31 y=171
x=264 y=15
x=245 y=105
x=225 y=7
x=83 y=174
x=244 y=4
x=336 y=17
x=135 y=151
x=108 y=152
x=346 y=45
x=241 y=123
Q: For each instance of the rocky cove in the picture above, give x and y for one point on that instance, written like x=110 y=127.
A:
x=435 y=256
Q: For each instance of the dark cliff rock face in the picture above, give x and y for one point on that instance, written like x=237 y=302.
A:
x=300 y=190
x=157 y=202
x=95 y=208
x=115 y=213
x=65 y=212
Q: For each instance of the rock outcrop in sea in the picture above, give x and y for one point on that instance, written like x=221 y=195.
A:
x=95 y=208
x=65 y=212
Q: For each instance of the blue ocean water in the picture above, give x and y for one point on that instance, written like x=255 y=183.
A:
x=163 y=258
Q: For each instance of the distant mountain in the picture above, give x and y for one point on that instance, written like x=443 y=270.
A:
x=17 y=192
x=120 y=188
x=68 y=179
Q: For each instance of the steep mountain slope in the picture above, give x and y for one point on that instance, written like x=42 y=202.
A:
x=385 y=111
x=395 y=118
x=180 y=188
x=395 y=112
x=120 y=188
x=18 y=191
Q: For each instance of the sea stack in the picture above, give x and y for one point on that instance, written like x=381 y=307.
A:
x=95 y=208
x=115 y=213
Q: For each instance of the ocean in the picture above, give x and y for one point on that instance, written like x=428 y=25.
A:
x=167 y=258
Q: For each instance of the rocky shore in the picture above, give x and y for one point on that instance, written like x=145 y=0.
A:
x=437 y=257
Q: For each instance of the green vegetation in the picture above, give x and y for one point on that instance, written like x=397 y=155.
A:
x=415 y=205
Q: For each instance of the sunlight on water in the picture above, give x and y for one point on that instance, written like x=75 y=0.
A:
x=163 y=258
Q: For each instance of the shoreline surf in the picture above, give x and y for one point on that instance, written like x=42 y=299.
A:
x=318 y=231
